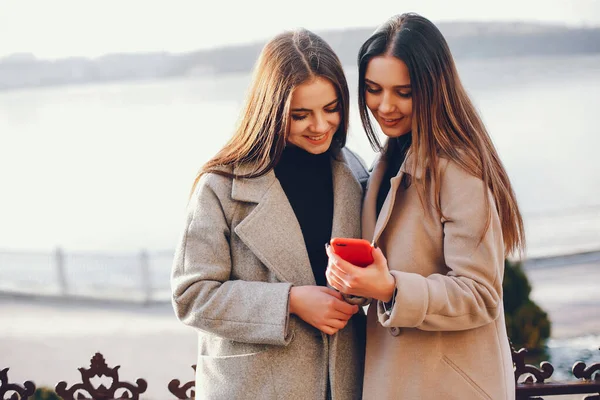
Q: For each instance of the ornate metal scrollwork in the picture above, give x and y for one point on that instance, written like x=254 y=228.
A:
x=187 y=391
x=582 y=372
x=18 y=391
x=98 y=368
x=529 y=370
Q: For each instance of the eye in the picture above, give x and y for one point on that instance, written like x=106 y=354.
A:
x=406 y=95
x=298 y=117
x=372 y=89
x=334 y=109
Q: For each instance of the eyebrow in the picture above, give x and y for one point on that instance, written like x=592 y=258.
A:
x=308 y=110
x=395 y=87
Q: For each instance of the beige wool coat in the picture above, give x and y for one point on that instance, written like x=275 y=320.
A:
x=444 y=336
x=241 y=252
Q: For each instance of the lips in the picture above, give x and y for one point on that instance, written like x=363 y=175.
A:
x=390 y=122
x=317 y=139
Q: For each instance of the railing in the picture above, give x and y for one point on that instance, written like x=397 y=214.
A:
x=140 y=277
x=531 y=382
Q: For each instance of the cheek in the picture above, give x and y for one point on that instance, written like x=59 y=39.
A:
x=297 y=127
x=335 y=119
x=371 y=102
x=408 y=112
x=406 y=107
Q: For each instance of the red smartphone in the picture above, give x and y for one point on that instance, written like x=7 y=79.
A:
x=355 y=251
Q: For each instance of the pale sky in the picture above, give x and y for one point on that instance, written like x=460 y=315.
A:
x=61 y=28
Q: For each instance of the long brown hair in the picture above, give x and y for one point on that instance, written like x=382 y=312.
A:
x=287 y=61
x=445 y=122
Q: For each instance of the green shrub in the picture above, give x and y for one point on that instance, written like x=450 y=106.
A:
x=43 y=393
x=526 y=323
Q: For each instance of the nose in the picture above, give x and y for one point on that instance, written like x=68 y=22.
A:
x=386 y=106
x=320 y=124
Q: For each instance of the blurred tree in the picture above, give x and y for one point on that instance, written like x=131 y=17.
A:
x=43 y=393
x=526 y=323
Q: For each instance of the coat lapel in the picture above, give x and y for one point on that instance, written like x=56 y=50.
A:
x=347 y=199
x=374 y=226
x=369 y=211
x=271 y=230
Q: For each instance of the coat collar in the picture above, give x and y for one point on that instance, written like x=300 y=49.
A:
x=250 y=190
x=373 y=226
x=271 y=230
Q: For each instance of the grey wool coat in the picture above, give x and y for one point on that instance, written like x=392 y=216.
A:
x=240 y=254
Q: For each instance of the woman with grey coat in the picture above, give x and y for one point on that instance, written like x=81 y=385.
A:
x=249 y=271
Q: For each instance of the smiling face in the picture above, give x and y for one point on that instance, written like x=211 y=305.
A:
x=315 y=115
x=388 y=94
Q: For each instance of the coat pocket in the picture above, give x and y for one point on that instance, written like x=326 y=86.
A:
x=246 y=376
x=473 y=388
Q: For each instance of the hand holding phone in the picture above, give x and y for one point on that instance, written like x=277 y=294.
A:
x=356 y=251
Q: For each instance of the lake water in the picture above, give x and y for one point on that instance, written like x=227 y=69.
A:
x=104 y=171
x=107 y=168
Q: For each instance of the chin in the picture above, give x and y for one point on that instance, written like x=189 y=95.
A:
x=315 y=148
x=394 y=132
x=318 y=149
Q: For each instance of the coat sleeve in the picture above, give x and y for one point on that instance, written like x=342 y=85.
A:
x=204 y=296
x=469 y=295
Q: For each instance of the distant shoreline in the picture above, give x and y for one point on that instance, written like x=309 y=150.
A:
x=563 y=259
x=467 y=40
x=161 y=295
x=226 y=74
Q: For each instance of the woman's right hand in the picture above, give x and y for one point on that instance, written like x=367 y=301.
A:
x=321 y=307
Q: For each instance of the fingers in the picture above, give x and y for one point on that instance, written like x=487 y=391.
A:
x=328 y=330
x=378 y=257
x=339 y=315
x=349 y=309
x=335 y=281
x=332 y=326
x=337 y=262
x=337 y=323
x=332 y=292
x=339 y=304
x=342 y=282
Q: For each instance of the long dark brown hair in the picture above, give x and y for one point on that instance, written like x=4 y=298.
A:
x=444 y=121
x=287 y=61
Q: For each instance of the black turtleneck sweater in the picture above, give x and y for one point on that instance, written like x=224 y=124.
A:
x=397 y=153
x=307 y=182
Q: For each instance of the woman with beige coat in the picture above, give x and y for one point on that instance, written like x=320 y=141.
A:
x=442 y=216
x=249 y=271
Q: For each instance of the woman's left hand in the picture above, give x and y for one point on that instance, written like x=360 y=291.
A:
x=373 y=281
